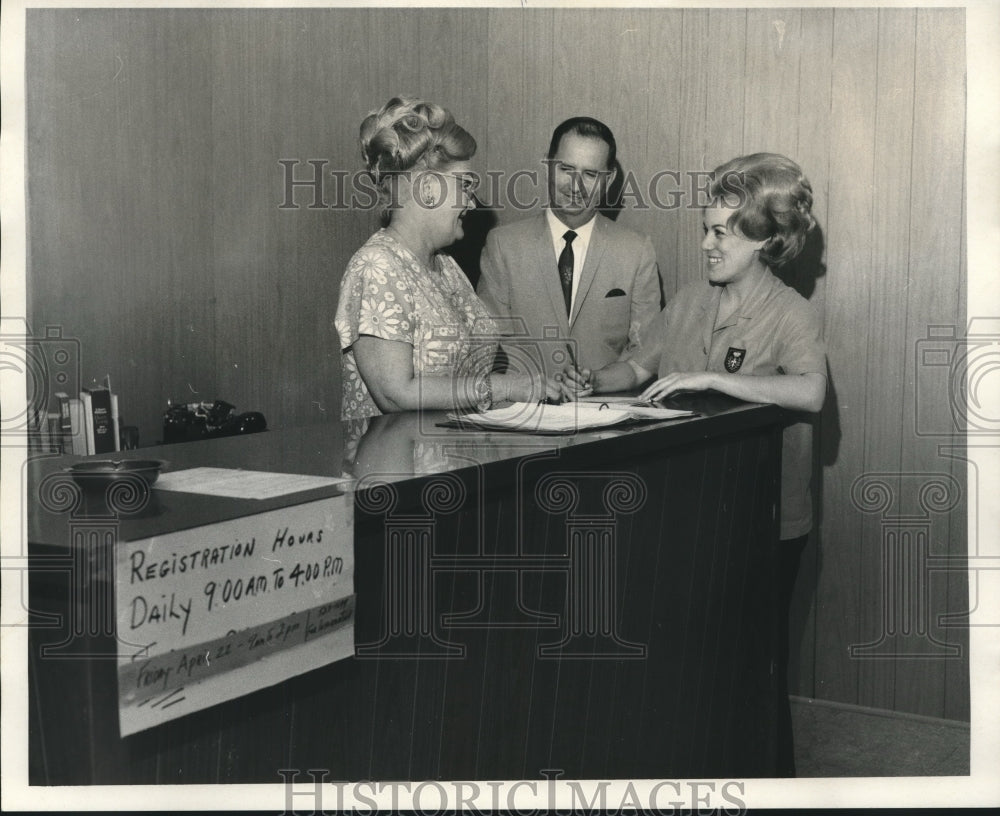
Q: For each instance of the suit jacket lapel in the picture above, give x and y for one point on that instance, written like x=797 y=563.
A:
x=595 y=251
x=548 y=265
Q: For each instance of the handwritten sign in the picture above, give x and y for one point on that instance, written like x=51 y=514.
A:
x=218 y=611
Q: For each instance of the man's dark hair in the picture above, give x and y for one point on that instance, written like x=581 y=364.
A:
x=590 y=128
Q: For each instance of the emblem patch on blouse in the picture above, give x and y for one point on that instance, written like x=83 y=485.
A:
x=734 y=359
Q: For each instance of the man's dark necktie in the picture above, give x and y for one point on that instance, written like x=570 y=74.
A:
x=566 y=269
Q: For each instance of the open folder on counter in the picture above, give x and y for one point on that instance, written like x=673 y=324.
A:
x=568 y=417
x=636 y=407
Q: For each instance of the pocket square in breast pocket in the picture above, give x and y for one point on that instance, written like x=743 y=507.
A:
x=615 y=293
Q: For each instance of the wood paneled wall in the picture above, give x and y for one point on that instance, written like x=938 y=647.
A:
x=157 y=236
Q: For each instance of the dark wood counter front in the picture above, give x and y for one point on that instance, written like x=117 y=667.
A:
x=599 y=604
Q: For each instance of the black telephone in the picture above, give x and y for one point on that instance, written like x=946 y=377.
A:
x=191 y=421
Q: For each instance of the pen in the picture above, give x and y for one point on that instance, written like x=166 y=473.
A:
x=572 y=356
x=572 y=360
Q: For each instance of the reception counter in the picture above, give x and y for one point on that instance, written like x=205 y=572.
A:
x=599 y=604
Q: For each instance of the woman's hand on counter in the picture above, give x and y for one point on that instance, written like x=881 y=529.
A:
x=679 y=381
x=520 y=387
x=800 y=392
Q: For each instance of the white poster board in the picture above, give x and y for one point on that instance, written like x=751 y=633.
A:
x=215 y=612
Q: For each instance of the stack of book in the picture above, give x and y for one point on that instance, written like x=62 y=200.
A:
x=89 y=424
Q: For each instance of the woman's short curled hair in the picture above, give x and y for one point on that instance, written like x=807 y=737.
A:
x=411 y=134
x=772 y=199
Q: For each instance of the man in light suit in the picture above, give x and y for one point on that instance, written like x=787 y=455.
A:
x=570 y=282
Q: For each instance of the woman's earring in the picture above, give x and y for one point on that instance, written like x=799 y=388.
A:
x=426 y=195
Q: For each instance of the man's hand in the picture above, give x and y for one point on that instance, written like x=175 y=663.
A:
x=575 y=383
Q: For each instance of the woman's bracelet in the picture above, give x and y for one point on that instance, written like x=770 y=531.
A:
x=484 y=393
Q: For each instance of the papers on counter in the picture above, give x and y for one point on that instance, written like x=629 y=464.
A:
x=241 y=484
x=612 y=399
x=566 y=418
x=637 y=407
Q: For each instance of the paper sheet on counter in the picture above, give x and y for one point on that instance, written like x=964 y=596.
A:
x=636 y=407
x=241 y=484
x=532 y=418
x=568 y=417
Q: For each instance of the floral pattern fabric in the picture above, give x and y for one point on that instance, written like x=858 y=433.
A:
x=386 y=292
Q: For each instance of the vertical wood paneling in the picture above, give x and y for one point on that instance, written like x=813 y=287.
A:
x=505 y=134
x=813 y=149
x=933 y=299
x=808 y=276
x=520 y=110
x=120 y=212
x=451 y=45
x=691 y=151
x=156 y=237
x=627 y=89
x=604 y=88
x=956 y=690
x=165 y=282
x=887 y=286
x=505 y=65
x=772 y=81
x=244 y=119
x=278 y=270
x=725 y=63
x=851 y=140
x=538 y=103
x=393 y=61
x=666 y=78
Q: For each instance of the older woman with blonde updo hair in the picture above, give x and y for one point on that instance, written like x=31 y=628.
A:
x=413 y=332
x=742 y=332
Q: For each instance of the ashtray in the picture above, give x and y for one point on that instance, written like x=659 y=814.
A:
x=105 y=471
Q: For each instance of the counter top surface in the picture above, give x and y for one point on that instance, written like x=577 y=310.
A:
x=394 y=448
